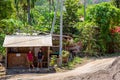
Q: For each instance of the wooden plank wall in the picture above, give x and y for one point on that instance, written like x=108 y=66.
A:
x=18 y=58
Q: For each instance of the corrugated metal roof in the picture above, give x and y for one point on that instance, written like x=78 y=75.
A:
x=27 y=41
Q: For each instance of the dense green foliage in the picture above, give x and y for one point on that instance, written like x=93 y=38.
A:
x=116 y=39
x=41 y=18
x=116 y=3
x=105 y=21
x=37 y=16
x=71 y=16
x=89 y=36
x=99 y=39
x=26 y=6
x=102 y=19
x=6 y=9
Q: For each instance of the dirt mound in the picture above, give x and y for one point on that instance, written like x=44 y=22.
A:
x=114 y=69
x=110 y=73
x=115 y=66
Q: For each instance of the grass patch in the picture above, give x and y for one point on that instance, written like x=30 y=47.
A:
x=111 y=54
x=70 y=65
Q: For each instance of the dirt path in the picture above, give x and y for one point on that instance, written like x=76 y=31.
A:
x=93 y=66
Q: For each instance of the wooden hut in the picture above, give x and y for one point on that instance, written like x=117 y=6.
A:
x=17 y=46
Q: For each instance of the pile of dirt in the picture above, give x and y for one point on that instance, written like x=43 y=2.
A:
x=110 y=73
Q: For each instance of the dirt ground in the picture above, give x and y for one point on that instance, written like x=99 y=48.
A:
x=100 y=69
x=112 y=72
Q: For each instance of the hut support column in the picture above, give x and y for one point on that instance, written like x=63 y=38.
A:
x=48 y=56
x=6 y=58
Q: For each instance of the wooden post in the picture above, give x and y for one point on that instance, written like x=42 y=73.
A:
x=48 y=56
x=6 y=58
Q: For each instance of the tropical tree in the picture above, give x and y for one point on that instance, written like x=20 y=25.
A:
x=42 y=15
x=26 y=6
x=41 y=18
x=71 y=16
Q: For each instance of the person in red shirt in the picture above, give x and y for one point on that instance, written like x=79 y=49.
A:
x=30 y=59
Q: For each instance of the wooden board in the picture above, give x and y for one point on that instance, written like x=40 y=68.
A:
x=16 y=60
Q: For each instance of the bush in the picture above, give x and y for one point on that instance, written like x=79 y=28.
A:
x=116 y=41
x=53 y=61
x=74 y=62
x=2 y=49
x=65 y=54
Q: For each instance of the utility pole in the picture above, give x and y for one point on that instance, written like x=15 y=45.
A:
x=61 y=32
